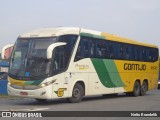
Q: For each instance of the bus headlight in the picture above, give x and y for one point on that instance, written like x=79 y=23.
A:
x=47 y=83
x=9 y=83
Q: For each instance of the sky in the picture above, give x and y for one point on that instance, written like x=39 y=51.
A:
x=135 y=19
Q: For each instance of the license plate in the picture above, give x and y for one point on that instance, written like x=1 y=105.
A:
x=23 y=93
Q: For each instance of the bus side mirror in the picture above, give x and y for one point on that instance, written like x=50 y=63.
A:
x=52 y=47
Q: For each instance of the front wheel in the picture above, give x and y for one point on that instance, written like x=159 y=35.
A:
x=77 y=94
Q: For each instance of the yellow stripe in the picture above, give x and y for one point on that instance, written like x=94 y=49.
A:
x=16 y=82
x=124 y=40
x=129 y=76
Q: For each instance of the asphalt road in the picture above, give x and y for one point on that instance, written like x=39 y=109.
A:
x=149 y=102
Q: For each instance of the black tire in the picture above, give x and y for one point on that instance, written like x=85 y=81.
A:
x=136 y=89
x=41 y=100
x=144 y=88
x=77 y=94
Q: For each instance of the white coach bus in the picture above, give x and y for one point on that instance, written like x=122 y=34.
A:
x=70 y=63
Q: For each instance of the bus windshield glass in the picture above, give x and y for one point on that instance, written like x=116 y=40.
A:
x=29 y=57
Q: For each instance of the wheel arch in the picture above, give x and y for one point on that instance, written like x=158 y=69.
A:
x=138 y=81
x=81 y=82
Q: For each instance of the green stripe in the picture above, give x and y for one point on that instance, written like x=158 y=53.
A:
x=107 y=72
x=34 y=82
x=102 y=72
x=29 y=82
x=113 y=72
x=92 y=35
x=37 y=82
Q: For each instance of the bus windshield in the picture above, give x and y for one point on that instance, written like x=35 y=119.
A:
x=29 y=58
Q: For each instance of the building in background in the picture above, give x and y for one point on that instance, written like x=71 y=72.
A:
x=4 y=60
x=6 y=51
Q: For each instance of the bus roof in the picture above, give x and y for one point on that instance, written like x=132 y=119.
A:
x=50 y=32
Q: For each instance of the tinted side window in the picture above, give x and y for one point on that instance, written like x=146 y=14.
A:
x=85 y=49
x=61 y=55
x=111 y=50
x=105 y=49
x=120 y=48
x=101 y=49
x=92 y=48
x=70 y=40
x=155 y=54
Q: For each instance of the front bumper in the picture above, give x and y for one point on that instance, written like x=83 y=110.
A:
x=40 y=93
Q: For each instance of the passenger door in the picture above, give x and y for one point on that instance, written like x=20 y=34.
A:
x=60 y=62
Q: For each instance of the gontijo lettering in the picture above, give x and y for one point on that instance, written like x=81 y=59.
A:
x=129 y=66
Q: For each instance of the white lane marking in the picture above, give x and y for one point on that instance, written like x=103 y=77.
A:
x=30 y=109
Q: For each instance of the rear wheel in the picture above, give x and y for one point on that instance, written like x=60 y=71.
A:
x=77 y=94
x=136 y=89
x=144 y=88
